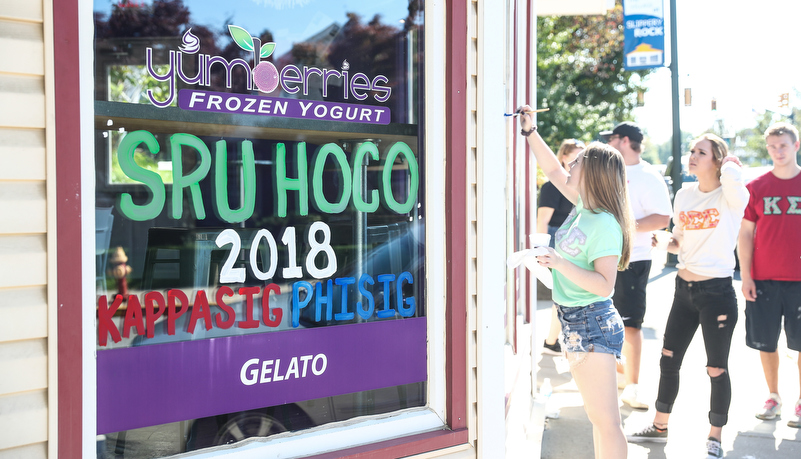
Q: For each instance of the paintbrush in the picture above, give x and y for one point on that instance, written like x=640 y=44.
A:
x=527 y=111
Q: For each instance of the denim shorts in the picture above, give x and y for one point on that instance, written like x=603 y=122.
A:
x=596 y=327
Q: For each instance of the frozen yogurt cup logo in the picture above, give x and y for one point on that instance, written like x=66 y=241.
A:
x=191 y=43
x=265 y=75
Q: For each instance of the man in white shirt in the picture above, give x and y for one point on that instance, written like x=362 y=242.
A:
x=650 y=202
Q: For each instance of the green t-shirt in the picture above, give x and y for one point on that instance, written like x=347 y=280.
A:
x=584 y=237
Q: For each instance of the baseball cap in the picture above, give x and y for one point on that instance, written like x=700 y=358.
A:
x=624 y=129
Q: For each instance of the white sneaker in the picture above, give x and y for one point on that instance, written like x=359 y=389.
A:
x=772 y=408
x=795 y=421
x=713 y=449
x=631 y=397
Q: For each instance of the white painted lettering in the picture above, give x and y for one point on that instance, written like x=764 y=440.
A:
x=250 y=102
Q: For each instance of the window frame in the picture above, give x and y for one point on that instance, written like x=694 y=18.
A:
x=443 y=422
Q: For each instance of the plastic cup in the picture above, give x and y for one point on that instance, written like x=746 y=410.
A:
x=662 y=239
x=539 y=239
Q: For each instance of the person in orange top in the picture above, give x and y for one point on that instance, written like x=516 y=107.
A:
x=706 y=217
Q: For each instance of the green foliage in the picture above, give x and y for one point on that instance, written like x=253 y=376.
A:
x=580 y=76
x=750 y=141
x=130 y=83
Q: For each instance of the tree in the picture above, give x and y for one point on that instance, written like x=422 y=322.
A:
x=751 y=142
x=580 y=76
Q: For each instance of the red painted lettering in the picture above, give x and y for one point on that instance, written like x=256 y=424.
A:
x=249 y=321
x=104 y=323
x=172 y=315
x=265 y=307
x=229 y=311
x=133 y=317
x=200 y=310
x=150 y=314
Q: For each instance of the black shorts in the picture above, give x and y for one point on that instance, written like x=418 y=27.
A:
x=763 y=317
x=629 y=297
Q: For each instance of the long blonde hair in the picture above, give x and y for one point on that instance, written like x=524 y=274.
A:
x=603 y=179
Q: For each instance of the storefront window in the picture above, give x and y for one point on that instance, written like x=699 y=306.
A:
x=260 y=256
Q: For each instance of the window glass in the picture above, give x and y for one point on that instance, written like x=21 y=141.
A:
x=259 y=222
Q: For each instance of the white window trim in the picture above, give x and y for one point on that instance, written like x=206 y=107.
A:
x=332 y=436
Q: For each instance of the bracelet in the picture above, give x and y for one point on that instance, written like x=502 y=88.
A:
x=525 y=133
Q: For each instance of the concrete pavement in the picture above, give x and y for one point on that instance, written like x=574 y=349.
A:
x=745 y=437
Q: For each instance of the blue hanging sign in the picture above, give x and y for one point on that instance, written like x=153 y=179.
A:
x=644 y=25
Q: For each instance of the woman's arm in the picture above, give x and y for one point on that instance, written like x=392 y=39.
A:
x=734 y=190
x=545 y=157
x=544 y=215
x=600 y=281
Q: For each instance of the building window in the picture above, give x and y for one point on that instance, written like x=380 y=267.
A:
x=260 y=229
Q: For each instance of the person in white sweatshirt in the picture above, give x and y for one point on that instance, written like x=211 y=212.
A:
x=706 y=216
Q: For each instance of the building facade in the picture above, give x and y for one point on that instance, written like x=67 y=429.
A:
x=264 y=229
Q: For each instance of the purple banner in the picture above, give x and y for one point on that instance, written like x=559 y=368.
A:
x=224 y=102
x=161 y=383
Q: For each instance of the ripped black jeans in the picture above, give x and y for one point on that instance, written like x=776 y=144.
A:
x=712 y=304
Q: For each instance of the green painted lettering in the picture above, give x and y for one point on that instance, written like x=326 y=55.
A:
x=358 y=160
x=152 y=180
x=220 y=184
x=320 y=201
x=181 y=181
x=389 y=199
x=283 y=183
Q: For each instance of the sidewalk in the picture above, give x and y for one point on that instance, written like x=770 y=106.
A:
x=570 y=435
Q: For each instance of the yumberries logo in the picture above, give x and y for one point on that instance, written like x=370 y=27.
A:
x=262 y=75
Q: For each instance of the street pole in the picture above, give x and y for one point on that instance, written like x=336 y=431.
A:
x=675 y=172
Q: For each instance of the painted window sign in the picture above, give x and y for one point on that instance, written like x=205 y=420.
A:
x=259 y=216
x=644 y=41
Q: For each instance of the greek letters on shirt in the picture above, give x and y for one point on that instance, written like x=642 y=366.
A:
x=695 y=220
x=772 y=205
x=571 y=243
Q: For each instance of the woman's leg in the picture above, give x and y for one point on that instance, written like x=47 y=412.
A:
x=718 y=316
x=597 y=382
x=556 y=327
x=681 y=326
